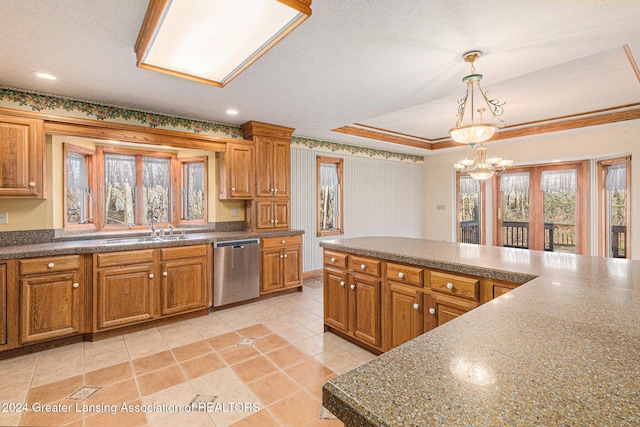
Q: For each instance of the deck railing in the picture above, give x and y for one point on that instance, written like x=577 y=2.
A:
x=470 y=232
x=515 y=234
x=618 y=241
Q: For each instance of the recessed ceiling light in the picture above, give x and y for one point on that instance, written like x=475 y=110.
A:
x=45 y=76
x=232 y=112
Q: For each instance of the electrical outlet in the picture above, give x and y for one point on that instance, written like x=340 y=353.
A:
x=235 y=212
x=4 y=217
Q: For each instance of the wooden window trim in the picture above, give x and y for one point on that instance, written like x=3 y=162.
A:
x=481 y=215
x=139 y=154
x=90 y=157
x=182 y=162
x=339 y=167
x=604 y=238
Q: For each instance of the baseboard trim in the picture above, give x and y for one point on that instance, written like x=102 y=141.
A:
x=311 y=273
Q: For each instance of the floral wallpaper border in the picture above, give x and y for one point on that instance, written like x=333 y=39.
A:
x=38 y=101
x=353 y=149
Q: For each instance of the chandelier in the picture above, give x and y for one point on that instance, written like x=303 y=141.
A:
x=482 y=168
x=475 y=132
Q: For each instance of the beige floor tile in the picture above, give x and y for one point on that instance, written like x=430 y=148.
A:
x=159 y=380
x=172 y=399
x=287 y=356
x=270 y=342
x=260 y=419
x=254 y=368
x=309 y=372
x=10 y=418
x=234 y=405
x=50 y=374
x=120 y=418
x=100 y=354
x=115 y=394
x=186 y=419
x=153 y=362
x=297 y=410
x=179 y=334
x=254 y=331
x=109 y=375
x=202 y=365
x=238 y=353
x=315 y=345
x=296 y=333
x=210 y=326
x=217 y=382
x=273 y=388
x=14 y=388
x=337 y=359
x=72 y=354
x=19 y=365
x=225 y=340
x=50 y=418
x=145 y=343
x=315 y=326
x=191 y=351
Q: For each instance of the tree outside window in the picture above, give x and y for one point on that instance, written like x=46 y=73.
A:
x=329 y=187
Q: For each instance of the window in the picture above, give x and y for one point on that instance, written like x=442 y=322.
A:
x=194 y=189
x=78 y=187
x=471 y=201
x=614 y=181
x=329 y=182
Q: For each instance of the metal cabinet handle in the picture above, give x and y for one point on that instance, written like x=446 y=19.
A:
x=432 y=310
x=165 y=274
x=449 y=285
x=151 y=276
x=51 y=265
x=416 y=306
x=352 y=286
x=362 y=266
x=342 y=283
x=76 y=285
x=401 y=275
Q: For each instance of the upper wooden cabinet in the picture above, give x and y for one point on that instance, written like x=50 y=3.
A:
x=22 y=159
x=237 y=172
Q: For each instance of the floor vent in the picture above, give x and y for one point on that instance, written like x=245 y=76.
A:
x=201 y=402
x=83 y=393
x=247 y=341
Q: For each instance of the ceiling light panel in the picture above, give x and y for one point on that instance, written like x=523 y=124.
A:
x=214 y=40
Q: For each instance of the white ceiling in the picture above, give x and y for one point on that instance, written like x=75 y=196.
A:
x=389 y=64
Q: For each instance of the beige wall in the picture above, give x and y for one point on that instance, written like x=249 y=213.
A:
x=588 y=143
x=48 y=213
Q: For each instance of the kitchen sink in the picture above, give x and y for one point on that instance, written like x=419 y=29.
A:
x=130 y=240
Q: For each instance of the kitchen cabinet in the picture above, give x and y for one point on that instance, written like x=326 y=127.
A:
x=495 y=288
x=125 y=287
x=51 y=291
x=184 y=285
x=352 y=297
x=236 y=172
x=3 y=305
x=271 y=207
x=441 y=309
x=280 y=263
x=22 y=157
x=404 y=311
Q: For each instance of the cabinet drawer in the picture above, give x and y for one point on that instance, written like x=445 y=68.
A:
x=465 y=287
x=49 y=264
x=365 y=265
x=335 y=259
x=183 y=252
x=280 y=242
x=404 y=274
x=124 y=258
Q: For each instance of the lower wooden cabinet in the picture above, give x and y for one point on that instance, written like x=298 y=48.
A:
x=405 y=314
x=184 y=283
x=3 y=305
x=280 y=263
x=50 y=295
x=440 y=310
x=336 y=299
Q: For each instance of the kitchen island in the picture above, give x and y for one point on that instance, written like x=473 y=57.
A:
x=562 y=349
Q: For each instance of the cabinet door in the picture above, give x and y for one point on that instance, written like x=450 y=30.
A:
x=183 y=286
x=292 y=275
x=440 y=310
x=281 y=169
x=264 y=214
x=365 y=309
x=49 y=306
x=124 y=295
x=282 y=216
x=271 y=267
x=335 y=299
x=3 y=304
x=241 y=171
x=405 y=314
x=264 y=167
x=21 y=157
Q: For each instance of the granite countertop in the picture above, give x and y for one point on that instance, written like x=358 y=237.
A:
x=563 y=349
x=97 y=243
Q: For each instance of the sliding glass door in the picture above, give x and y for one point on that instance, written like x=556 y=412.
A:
x=543 y=208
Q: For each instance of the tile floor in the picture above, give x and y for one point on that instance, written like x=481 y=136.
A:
x=148 y=378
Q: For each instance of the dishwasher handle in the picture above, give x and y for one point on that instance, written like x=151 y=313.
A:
x=236 y=244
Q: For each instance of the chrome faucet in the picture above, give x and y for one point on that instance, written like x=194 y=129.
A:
x=170 y=230
x=161 y=231
x=153 y=228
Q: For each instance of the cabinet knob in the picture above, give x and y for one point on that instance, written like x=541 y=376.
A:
x=449 y=285
x=401 y=275
x=333 y=260
x=342 y=283
x=276 y=221
x=51 y=265
x=281 y=256
x=165 y=274
x=284 y=241
x=32 y=184
x=432 y=311
x=233 y=188
x=416 y=306
x=352 y=286
x=285 y=255
x=272 y=221
x=76 y=285
x=362 y=266
x=275 y=190
x=151 y=276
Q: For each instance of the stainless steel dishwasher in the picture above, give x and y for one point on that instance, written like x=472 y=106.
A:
x=236 y=271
